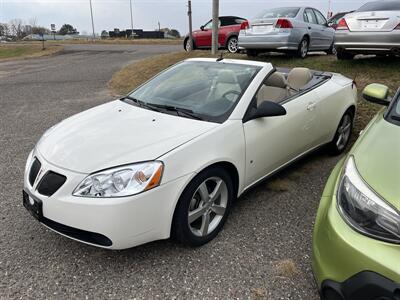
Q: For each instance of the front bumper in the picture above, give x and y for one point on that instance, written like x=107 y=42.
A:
x=368 y=42
x=275 y=41
x=126 y=222
x=340 y=253
x=363 y=286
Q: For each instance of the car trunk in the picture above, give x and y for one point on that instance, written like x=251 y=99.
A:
x=262 y=26
x=373 y=21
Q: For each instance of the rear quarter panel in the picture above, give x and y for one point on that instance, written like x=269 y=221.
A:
x=335 y=96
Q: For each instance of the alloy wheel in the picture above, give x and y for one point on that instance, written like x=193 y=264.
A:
x=344 y=132
x=233 y=45
x=207 y=206
x=304 y=48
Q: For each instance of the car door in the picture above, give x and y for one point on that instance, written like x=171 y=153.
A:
x=313 y=28
x=272 y=142
x=203 y=37
x=326 y=33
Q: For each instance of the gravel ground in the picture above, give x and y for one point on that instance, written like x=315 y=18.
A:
x=263 y=252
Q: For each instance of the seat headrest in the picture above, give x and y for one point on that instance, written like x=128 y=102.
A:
x=299 y=77
x=227 y=76
x=276 y=80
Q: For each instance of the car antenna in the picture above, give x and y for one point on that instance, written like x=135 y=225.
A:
x=221 y=57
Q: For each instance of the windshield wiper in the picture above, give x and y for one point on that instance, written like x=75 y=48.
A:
x=180 y=111
x=141 y=103
x=396 y=118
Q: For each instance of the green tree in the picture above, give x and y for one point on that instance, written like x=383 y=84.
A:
x=67 y=29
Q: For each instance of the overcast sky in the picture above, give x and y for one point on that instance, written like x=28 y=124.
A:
x=109 y=14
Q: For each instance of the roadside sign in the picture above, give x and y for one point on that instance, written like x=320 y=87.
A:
x=53 y=27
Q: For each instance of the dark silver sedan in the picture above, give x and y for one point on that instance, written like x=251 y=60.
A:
x=295 y=30
x=372 y=29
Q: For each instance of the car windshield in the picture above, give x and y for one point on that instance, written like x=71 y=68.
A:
x=380 y=6
x=282 y=12
x=198 y=89
x=393 y=114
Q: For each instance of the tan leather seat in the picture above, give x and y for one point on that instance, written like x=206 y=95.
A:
x=298 y=78
x=225 y=81
x=274 y=89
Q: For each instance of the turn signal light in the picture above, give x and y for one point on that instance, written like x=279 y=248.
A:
x=342 y=25
x=284 y=24
x=245 y=25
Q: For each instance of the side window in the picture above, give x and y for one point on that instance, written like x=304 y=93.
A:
x=305 y=18
x=311 y=16
x=224 y=22
x=209 y=25
x=320 y=18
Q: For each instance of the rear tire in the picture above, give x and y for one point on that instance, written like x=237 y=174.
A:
x=203 y=207
x=343 y=134
x=343 y=55
x=252 y=53
x=302 y=51
x=233 y=44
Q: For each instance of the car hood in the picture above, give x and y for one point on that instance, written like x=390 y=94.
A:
x=377 y=156
x=115 y=134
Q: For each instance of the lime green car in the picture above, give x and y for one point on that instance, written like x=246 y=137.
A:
x=356 y=241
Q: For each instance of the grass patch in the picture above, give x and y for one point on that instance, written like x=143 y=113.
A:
x=287 y=268
x=258 y=294
x=364 y=71
x=123 y=42
x=15 y=51
x=279 y=185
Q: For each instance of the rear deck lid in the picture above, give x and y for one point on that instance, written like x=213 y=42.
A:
x=373 y=21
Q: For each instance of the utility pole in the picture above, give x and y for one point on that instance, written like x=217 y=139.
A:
x=190 y=24
x=130 y=5
x=329 y=9
x=215 y=25
x=91 y=13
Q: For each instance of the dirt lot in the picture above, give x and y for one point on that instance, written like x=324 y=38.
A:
x=262 y=253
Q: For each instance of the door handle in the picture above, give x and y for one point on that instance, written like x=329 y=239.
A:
x=311 y=106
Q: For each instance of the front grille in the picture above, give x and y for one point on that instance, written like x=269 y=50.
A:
x=50 y=183
x=35 y=168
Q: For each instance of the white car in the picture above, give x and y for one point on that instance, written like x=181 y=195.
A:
x=169 y=159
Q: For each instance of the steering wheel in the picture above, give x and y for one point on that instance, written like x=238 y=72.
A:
x=231 y=92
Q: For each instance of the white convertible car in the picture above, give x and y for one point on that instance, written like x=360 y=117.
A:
x=169 y=159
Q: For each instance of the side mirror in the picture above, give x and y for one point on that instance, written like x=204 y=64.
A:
x=268 y=109
x=202 y=28
x=377 y=93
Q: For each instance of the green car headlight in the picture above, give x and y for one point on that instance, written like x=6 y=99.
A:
x=121 y=181
x=364 y=210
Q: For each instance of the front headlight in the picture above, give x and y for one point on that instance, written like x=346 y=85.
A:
x=121 y=181
x=364 y=210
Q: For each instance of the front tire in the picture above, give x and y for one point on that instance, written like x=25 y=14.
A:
x=332 y=50
x=233 y=44
x=188 y=46
x=203 y=207
x=343 y=134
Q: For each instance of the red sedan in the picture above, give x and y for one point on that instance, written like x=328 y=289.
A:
x=229 y=28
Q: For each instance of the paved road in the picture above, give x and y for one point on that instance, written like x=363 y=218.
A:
x=265 y=228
